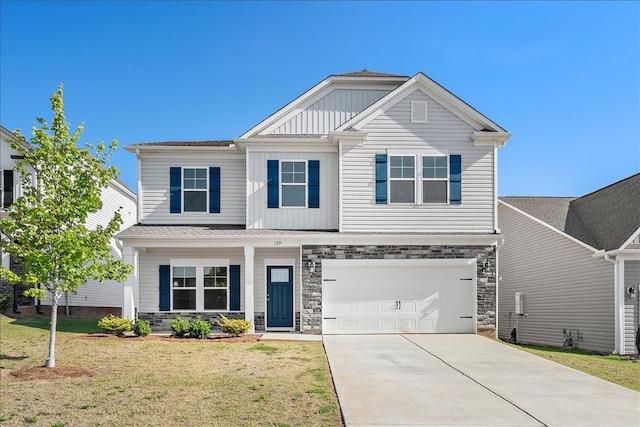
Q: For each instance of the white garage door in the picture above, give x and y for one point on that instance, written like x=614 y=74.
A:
x=389 y=296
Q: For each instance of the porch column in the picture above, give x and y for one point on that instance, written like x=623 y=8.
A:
x=249 y=252
x=620 y=309
x=130 y=286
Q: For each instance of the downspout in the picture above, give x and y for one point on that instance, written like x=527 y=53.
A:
x=616 y=298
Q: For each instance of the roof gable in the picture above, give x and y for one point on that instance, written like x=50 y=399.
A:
x=435 y=91
x=364 y=80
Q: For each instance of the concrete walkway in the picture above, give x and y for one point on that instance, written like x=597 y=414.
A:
x=466 y=380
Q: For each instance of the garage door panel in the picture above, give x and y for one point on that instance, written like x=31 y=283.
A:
x=388 y=299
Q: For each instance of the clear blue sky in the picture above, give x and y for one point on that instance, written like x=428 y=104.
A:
x=563 y=77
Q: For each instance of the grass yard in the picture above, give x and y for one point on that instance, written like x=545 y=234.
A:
x=612 y=368
x=155 y=381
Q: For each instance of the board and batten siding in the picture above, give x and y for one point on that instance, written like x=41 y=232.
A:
x=564 y=286
x=155 y=187
x=108 y=293
x=259 y=215
x=631 y=305
x=149 y=262
x=393 y=131
x=330 y=111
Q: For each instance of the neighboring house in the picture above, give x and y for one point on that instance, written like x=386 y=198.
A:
x=93 y=297
x=575 y=263
x=366 y=205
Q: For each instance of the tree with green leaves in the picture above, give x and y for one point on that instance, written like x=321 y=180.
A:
x=45 y=228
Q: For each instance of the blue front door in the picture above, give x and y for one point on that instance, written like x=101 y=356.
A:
x=279 y=297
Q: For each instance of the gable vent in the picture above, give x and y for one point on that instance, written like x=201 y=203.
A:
x=418 y=111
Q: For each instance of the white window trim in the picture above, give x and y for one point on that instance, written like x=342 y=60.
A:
x=446 y=180
x=282 y=184
x=414 y=179
x=200 y=264
x=206 y=190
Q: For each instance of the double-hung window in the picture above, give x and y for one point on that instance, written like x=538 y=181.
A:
x=402 y=179
x=435 y=179
x=200 y=285
x=194 y=188
x=293 y=181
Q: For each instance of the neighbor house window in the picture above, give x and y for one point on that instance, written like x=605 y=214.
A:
x=402 y=179
x=199 y=285
x=293 y=179
x=435 y=179
x=194 y=187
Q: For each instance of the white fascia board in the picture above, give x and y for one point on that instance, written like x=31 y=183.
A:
x=634 y=237
x=279 y=241
x=490 y=139
x=627 y=254
x=432 y=89
x=301 y=145
x=10 y=135
x=336 y=136
x=550 y=227
x=121 y=188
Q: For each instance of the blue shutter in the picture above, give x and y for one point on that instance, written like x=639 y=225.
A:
x=273 y=190
x=234 y=287
x=165 y=288
x=175 y=190
x=455 y=179
x=381 y=179
x=214 y=190
x=314 y=183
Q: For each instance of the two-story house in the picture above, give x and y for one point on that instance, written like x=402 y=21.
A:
x=93 y=297
x=366 y=205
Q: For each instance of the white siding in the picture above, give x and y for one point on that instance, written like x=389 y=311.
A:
x=260 y=216
x=150 y=261
x=109 y=293
x=444 y=133
x=563 y=286
x=632 y=316
x=155 y=187
x=330 y=111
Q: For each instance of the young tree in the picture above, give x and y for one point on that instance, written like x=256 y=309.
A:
x=45 y=228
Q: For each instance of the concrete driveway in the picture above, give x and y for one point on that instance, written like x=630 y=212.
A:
x=466 y=380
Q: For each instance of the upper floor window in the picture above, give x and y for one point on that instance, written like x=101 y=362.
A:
x=195 y=189
x=7 y=188
x=402 y=177
x=293 y=181
x=435 y=179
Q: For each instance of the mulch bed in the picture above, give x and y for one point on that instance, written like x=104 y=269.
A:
x=221 y=338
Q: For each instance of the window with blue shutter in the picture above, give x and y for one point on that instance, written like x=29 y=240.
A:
x=214 y=190
x=273 y=186
x=455 y=179
x=234 y=287
x=164 y=288
x=314 y=184
x=381 y=179
x=175 y=189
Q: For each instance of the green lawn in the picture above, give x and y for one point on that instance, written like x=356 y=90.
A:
x=612 y=368
x=161 y=382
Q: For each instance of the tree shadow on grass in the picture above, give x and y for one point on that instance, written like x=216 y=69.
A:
x=72 y=325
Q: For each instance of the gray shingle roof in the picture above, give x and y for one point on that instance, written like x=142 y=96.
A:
x=604 y=219
x=188 y=143
x=367 y=73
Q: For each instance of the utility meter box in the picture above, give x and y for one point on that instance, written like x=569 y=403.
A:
x=519 y=302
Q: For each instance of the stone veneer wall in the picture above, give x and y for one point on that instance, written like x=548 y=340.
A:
x=161 y=320
x=312 y=283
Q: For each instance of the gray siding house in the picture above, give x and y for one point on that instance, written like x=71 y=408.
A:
x=574 y=264
x=367 y=204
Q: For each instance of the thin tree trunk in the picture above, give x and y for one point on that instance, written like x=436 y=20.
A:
x=51 y=359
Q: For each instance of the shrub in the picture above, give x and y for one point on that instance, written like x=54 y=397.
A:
x=180 y=327
x=115 y=325
x=5 y=302
x=199 y=328
x=233 y=327
x=141 y=328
